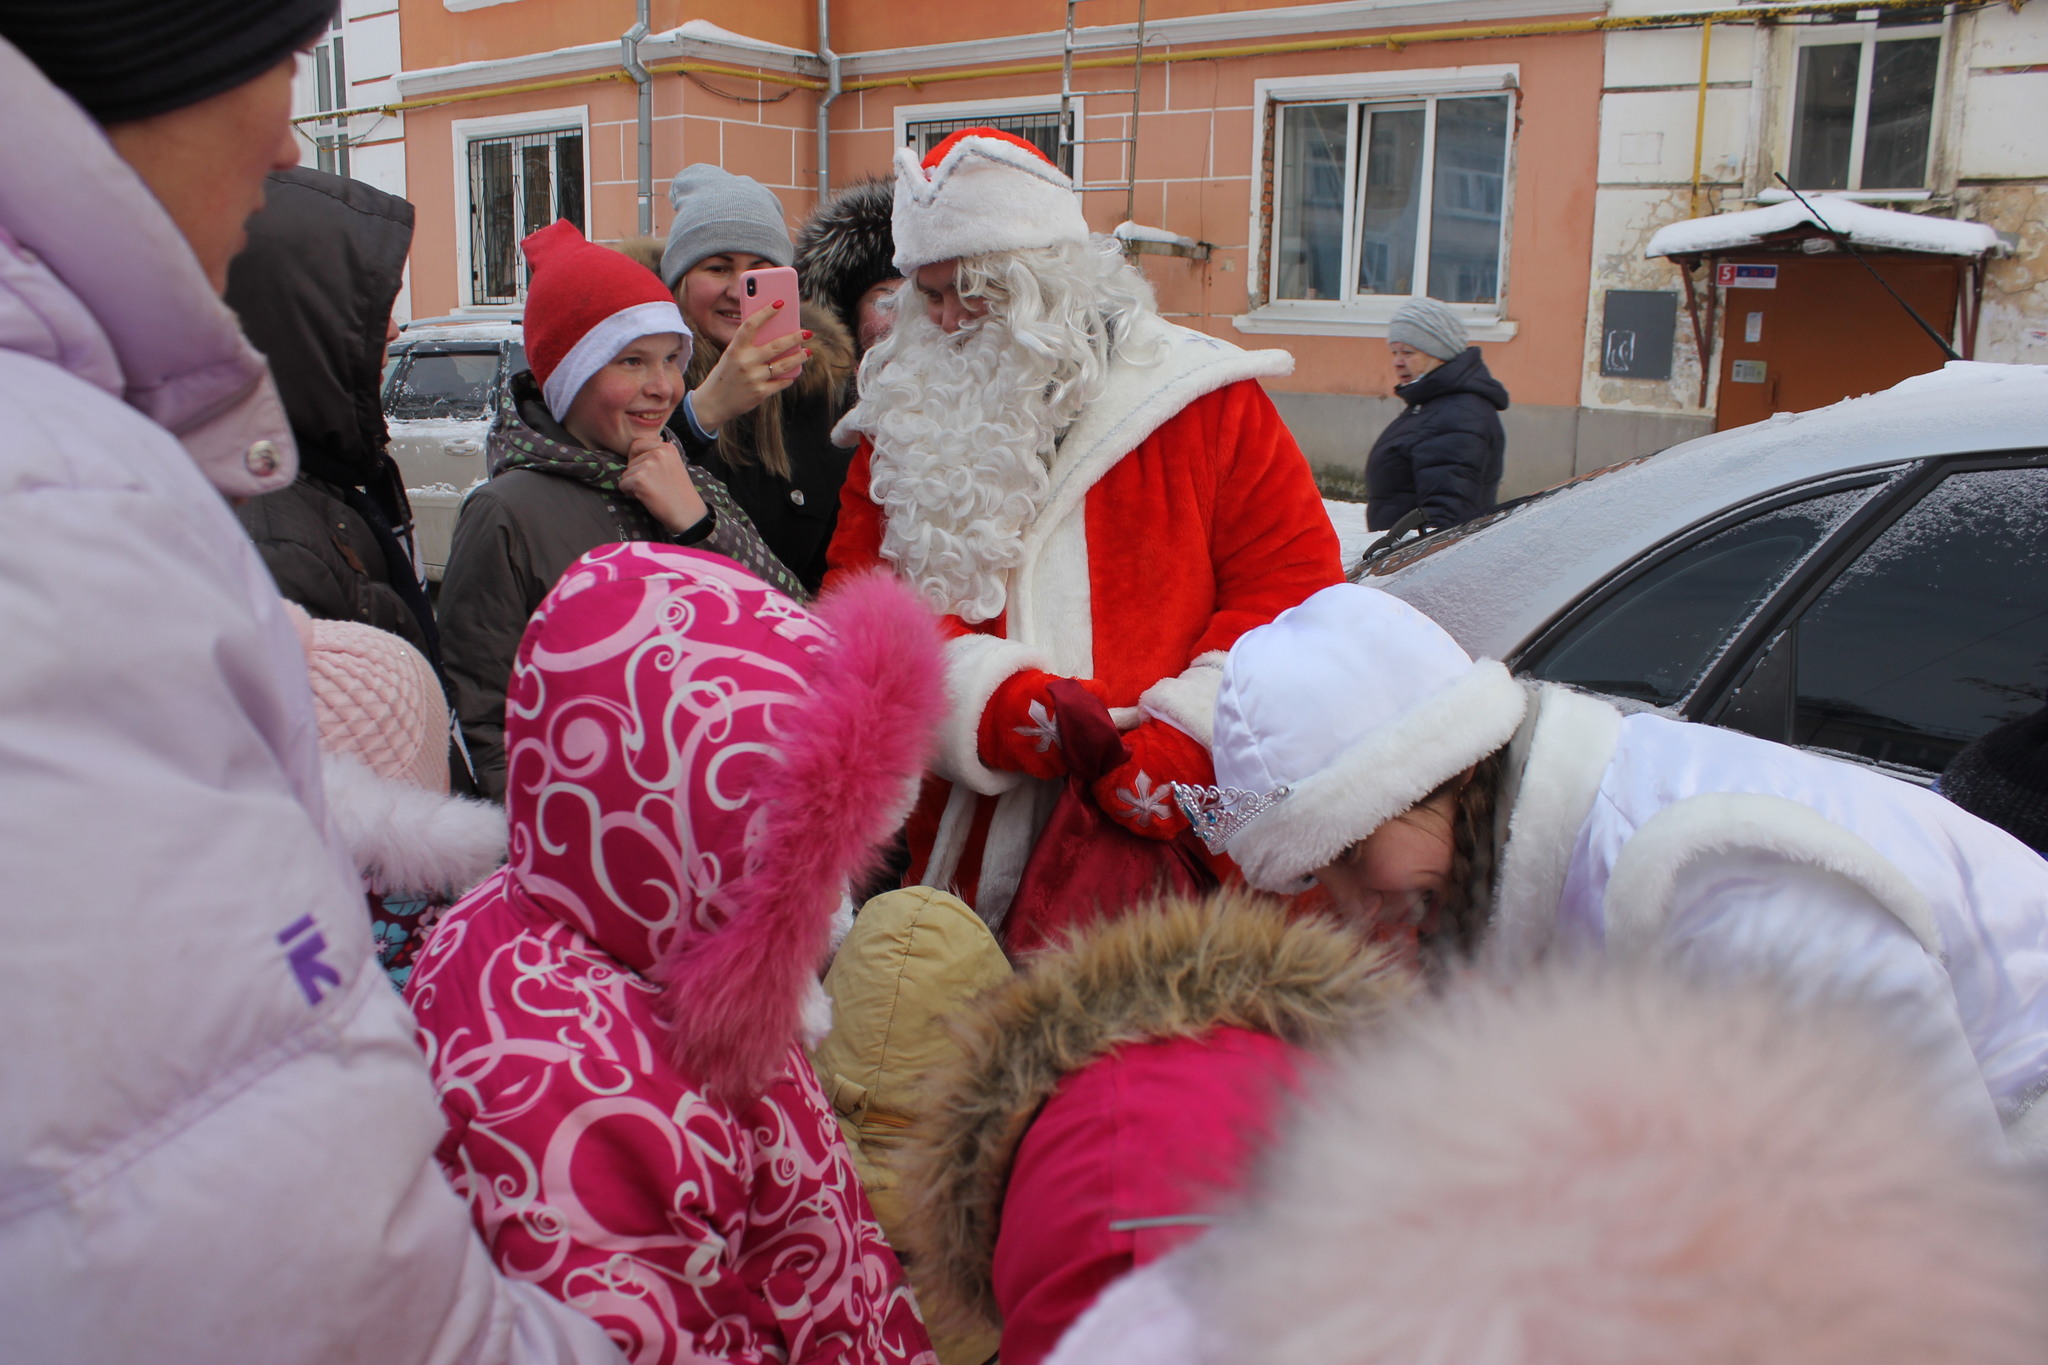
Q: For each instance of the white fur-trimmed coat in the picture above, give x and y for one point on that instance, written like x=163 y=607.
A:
x=1642 y=832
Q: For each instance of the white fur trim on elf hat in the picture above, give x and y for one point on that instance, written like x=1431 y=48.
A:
x=595 y=349
x=985 y=195
x=1358 y=706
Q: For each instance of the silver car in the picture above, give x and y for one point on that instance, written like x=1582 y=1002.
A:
x=441 y=385
x=1869 y=580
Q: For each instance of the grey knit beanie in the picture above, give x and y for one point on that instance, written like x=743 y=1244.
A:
x=1429 y=327
x=718 y=211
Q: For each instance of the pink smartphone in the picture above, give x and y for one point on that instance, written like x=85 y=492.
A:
x=766 y=287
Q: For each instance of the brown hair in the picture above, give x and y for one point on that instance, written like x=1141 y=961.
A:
x=752 y=436
x=1466 y=906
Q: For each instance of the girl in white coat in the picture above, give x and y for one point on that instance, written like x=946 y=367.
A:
x=1357 y=745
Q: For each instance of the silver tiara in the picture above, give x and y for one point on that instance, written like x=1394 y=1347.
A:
x=1218 y=813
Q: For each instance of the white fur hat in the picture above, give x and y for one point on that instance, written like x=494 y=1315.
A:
x=1338 y=715
x=981 y=190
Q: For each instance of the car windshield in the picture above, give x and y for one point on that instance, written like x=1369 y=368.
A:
x=444 y=382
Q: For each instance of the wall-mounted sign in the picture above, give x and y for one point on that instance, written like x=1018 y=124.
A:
x=1746 y=372
x=1636 y=331
x=1732 y=275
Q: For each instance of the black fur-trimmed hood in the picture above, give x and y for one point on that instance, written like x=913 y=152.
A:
x=847 y=247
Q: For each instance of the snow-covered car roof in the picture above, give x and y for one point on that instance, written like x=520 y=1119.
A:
x=1493 y=587
x=462 y=329
x=1879 y=229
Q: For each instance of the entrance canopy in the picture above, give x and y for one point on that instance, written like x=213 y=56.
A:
x=1865 y=227
x=1791 y=232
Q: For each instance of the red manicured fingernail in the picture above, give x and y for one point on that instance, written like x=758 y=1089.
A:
x=807 y=353
x=778 y=303
x=807 y=336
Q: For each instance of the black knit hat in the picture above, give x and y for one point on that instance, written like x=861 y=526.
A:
x=128 y=59
x=2003 y=779
x=846 y=248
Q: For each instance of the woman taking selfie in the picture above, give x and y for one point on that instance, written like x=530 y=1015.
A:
x=760 y=413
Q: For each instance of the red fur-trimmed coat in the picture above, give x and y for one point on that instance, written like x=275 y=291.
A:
x=1181 y=515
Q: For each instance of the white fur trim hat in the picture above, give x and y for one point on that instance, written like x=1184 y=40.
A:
x=1338 y=715
x=981 y=190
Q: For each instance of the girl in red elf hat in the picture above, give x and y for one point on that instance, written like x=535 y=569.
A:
x=614 y=1021
x=580 y=456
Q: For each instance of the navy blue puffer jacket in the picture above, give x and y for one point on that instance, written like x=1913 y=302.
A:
x=1443 y=453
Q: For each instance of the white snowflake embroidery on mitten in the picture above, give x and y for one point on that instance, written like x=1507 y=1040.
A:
x=1044 y=728
x=1147 y=804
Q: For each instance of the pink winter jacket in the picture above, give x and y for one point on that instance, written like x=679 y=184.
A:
x=695 y=767
x=216 y=1136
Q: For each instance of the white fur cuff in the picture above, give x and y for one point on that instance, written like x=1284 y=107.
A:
x=976 y=665
x=1187 y=701
x=1643 y=889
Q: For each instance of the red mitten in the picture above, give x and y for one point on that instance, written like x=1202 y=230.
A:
x=1020 y=730
x=1138 y=793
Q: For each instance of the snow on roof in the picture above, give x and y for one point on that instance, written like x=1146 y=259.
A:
x=1865 y=226
x=704 y=31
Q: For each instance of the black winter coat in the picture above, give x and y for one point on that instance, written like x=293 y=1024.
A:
x=314 y=290
x=795 y=516
x=1443 y=454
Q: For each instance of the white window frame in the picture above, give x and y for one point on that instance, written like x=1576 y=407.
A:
x=463 y=131
x=907 y=114
x=1867 y=33
x=1368 y=316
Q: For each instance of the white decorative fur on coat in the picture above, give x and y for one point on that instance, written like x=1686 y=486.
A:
x=976 y=666
x=1383 y=774
x=1187 y=700
x=407 y=841
x=1642 y=888
x=1574 y=738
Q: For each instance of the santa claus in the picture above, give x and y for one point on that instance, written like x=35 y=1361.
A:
x=1083 y=489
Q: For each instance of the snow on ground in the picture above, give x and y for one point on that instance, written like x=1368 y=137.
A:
x=1866 y=226
x=1352 y=537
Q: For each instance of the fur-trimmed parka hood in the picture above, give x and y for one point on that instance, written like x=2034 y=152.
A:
x=407 y=841
x=846 y=247
x=1176 y=970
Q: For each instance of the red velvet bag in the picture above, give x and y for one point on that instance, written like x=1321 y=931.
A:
x=1085 y=866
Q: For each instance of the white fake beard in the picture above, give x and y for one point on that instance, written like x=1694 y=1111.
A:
x=963 y=444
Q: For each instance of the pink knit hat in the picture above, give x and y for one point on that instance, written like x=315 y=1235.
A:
x=376 y=699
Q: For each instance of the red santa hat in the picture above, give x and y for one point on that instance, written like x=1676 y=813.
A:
x=584 y=304
x=981 y=190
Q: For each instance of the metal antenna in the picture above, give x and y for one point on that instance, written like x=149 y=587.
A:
x=1934 y=336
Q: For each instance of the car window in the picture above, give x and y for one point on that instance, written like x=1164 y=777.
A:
x=1938 y=632
x=445 y=384
x=1655 y=637
x=515 y=359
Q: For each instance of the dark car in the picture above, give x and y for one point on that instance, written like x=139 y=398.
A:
x=1869 y=580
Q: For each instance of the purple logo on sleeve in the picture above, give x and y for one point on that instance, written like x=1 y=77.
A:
x=304 y=955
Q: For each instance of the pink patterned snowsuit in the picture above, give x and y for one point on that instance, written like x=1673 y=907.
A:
x=696 y=765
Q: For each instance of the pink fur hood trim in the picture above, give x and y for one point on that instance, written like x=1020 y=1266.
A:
x=696 y=769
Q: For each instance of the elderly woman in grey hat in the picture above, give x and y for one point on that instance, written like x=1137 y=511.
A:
x=1442 y=455
x=758 y=416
